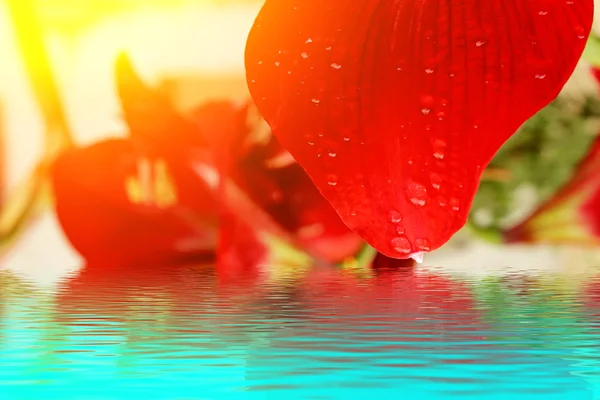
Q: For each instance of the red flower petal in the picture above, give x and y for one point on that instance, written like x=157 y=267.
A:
x=154 y=124
x=105 y=225
x=272 y=192
x=394 y=108
x=280 y=188
x=239 y=250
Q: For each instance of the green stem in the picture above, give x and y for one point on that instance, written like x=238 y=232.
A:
x=366 y=256
x=362 y=261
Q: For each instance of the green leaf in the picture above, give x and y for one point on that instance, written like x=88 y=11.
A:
x=540 y=157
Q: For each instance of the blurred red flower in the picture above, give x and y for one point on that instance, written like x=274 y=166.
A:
x=572 y=215
x=179 y=187
x=395 y=108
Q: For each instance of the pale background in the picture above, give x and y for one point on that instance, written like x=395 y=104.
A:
x=202 y=39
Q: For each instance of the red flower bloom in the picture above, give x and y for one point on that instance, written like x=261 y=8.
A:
x=395 y=108
x=180 y=187
x=110 y=215
x=572 y=215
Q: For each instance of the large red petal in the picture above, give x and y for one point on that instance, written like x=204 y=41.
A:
x=394 y=108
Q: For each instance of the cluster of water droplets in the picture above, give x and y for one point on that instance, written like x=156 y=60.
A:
x=435 y=192
x=401 y=244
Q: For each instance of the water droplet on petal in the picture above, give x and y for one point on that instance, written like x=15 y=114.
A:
x=455 y=204
x=400 y=229
x=401 y=245
x=436 y=180
x=417 y=194
x=423 y=244
x=336 y=66
x=332 y=180
x=395 y=216
x=304 y=55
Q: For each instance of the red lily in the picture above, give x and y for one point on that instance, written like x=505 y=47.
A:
x=110 y=215
x=216 y=182
x=572 y=215
x=394 y=108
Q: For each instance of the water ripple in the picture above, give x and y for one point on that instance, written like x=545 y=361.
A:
x=179 y=333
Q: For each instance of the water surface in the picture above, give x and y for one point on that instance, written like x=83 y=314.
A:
x=181 y=333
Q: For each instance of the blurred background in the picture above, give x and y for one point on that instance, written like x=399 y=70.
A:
x=193 y=50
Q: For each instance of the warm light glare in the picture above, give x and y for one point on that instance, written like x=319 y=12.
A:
x=198 y=44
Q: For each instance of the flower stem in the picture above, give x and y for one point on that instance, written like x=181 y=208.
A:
x=362 y=262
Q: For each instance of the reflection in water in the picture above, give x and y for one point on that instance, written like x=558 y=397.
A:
x=176 y=333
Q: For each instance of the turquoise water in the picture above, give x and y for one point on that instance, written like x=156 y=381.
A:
x=180 y=333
